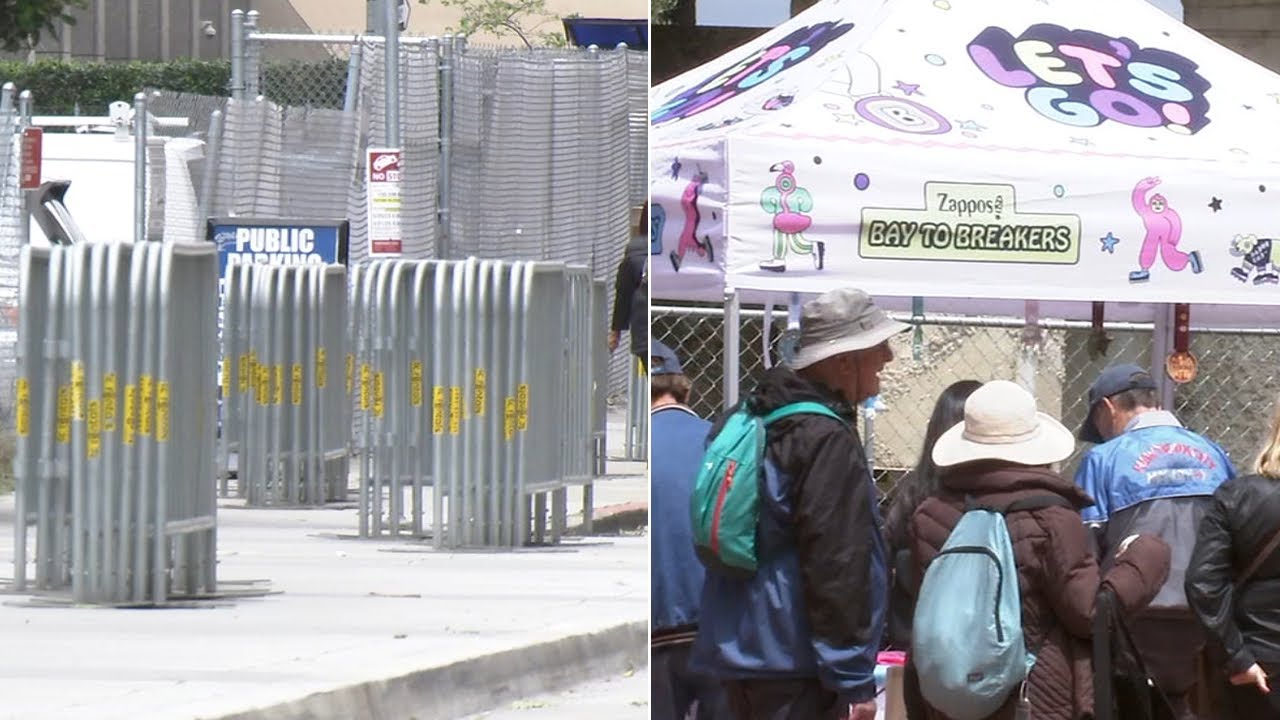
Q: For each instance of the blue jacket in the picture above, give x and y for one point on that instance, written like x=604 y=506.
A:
x=1155 y=478
x=815 y=609
x=678 y=438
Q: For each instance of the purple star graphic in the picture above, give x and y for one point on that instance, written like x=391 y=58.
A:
x=907 y=88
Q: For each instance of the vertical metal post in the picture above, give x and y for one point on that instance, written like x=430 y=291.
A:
x=448 y=64
x=391 y=35
x=252 y=55
x=213 y=144
x=140 y=167
x=24 y=121
x=732 y=347
x=1161 y=347
x=353 y=77
x=237 y=54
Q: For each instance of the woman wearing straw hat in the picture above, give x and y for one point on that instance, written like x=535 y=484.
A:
x=1003 y=453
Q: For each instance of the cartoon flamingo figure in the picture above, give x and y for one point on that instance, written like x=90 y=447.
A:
x=689 y=239
x=788 y=205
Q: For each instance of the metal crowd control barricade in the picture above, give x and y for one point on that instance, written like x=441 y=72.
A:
x=115 y=420
x=637 y=444
x=478 y=381
x=285 y=410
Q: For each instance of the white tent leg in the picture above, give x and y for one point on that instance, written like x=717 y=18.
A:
x=732 y=347
x=1161 y=346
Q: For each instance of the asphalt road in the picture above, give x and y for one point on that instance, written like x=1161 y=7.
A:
x=616 y=698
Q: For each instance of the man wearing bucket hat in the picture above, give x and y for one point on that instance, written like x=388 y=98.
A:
x=798 y=639
x=1147 y=473
x=1000 y=456
x=679 y=436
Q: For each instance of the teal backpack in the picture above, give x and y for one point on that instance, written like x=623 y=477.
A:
x=726 y=493
x=966 y=638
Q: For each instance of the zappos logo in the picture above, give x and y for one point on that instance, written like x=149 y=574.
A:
x=766 y=64
x=1083 y=78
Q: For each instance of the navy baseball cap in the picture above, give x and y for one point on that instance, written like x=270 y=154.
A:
x=663 y=360
x=1113 y=381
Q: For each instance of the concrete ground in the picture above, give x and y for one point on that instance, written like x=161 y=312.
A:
x=352 y=628
x=617 y=697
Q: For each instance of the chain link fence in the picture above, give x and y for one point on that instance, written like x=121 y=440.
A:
x=11 y=238
x=1230 y=401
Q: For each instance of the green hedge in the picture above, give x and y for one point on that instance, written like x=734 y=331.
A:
x=58 y=87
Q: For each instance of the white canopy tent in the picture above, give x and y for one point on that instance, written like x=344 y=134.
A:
x=982 y=153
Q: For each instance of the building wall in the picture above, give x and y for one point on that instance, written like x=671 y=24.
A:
x=1249 y=27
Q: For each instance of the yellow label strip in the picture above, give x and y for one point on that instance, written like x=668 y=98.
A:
x=130 y=413
x=109 y=402
x=295 y=376
x=64 y=414
x=509 y=419
x=415 y=383
x=478 y=400
x=77 y=390
x=24 y=407
x=455 y=410
x=147 y=402
x=378 y=395
x=437 y=410
x=94 y=448
x=162 y=411
x=322 y=368
x=522 y=407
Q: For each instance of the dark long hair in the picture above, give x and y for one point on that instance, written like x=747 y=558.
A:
x=923 y=480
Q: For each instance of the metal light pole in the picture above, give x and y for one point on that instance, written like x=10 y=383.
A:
x=391 y=34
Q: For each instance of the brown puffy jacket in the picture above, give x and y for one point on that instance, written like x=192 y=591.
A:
x=1057 y=574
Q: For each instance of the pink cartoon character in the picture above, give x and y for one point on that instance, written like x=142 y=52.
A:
x=789 y=205
x=1163 y=231
x=689 y=239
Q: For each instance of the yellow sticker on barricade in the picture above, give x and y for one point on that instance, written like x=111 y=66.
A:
x=509 y=419
x=378 y=396
x=64 y=415
x=226 y=378
x=109 y=391
x=261 y=383
x=146 y=404
x=437 y=410
x=295 y=392
x=455 y=410
x=77 y=390
x=366 y=380
x=522 y=407
x=322 y=368
x=162 y=411
x=130 y=413
x=94 y=444
x=479 y=393
x=245 y=372
x=415 y=383
x=24 y=407
x=277 y=389
x=351 y=372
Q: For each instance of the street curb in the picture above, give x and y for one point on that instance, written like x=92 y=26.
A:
x=475 y=685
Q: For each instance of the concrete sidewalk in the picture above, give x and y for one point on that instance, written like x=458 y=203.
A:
x=352 y=629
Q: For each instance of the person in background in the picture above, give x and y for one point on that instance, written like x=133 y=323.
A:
x=679 y=437
x=922 y=482
x=798 y=639
x=1233 y=582
x=1002 y=453
x=631 y=294
x=1149 y=474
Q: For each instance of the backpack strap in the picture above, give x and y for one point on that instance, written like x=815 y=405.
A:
x=802 y=408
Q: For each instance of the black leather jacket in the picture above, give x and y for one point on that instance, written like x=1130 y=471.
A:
x=1243 y=517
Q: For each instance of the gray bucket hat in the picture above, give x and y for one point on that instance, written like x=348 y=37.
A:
x=841 y=321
